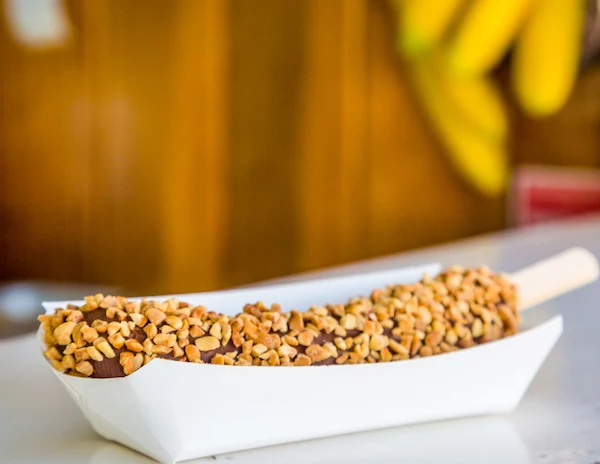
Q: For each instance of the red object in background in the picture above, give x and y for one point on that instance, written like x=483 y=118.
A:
x=544 y=193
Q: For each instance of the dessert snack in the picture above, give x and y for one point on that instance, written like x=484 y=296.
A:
x=113 y=337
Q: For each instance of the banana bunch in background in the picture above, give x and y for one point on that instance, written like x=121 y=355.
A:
x=451 y=47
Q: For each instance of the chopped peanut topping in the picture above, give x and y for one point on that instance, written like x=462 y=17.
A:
x=456 y=309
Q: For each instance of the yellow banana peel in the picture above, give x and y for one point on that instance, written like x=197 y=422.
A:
x=485 y=34
x=482 y=160
x=453 y=44
x=423 y=23
x=479 y=101
x=547 y=54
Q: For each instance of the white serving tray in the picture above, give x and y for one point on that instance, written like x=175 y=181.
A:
x=490 y=439
x=177 y=411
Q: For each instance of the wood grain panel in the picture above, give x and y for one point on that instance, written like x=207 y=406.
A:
x=195 y=186
x=266 y=71
x=353 y=207
x=319 y=172
x=128 y=74
x=41 y=129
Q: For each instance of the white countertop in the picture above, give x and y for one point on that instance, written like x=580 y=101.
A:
x=558 y=421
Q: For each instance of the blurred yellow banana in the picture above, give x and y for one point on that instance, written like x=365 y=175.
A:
x=479 y=101
x=480 y=159
x=547 y=54
x=423 y=23
x=485 y=34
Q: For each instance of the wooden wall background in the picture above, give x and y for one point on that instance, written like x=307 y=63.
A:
x=188 y=145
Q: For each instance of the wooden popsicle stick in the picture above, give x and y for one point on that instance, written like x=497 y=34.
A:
x=554 y=276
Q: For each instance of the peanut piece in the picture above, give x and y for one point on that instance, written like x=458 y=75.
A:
x=68 y=362
x=477 y=328
x=105 y=348
x=342 y=359
x=386 y=355
x=99 y=326
x=302 y=360
x=226 y=333
x=287 y=350
x=81 y=354
x=192 y=352
x=155 y=316
x=426 y=351
x=348 y=322
x=174 y=322
x=138 y=360
x=258 y=349
x=292 y=341
x=84 y=368
x=215 y=331
x=126 y=360
x=317 y=353
x=165 y=340
x=399 y=349
x=116 y=340
x=236 y=339
x=305 y=338
x=148 y=345
x=207 y=343
x=125 y=329
x=340 y=343
x=161 y=349
x=89 y=334
x=433 y=339
x=138 y=319
x=218 y=359
x=133 y=345
x=166 y=329
x=63 y=332
x=196 y=331
x=70 y=349
x=113 y=328
x=94 y=354
x=151 y=330
x=75 y=316
x=296 y=322
x=378 y=342
x=52 y=353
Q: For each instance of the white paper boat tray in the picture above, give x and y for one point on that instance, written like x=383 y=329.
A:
x=174 y=411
